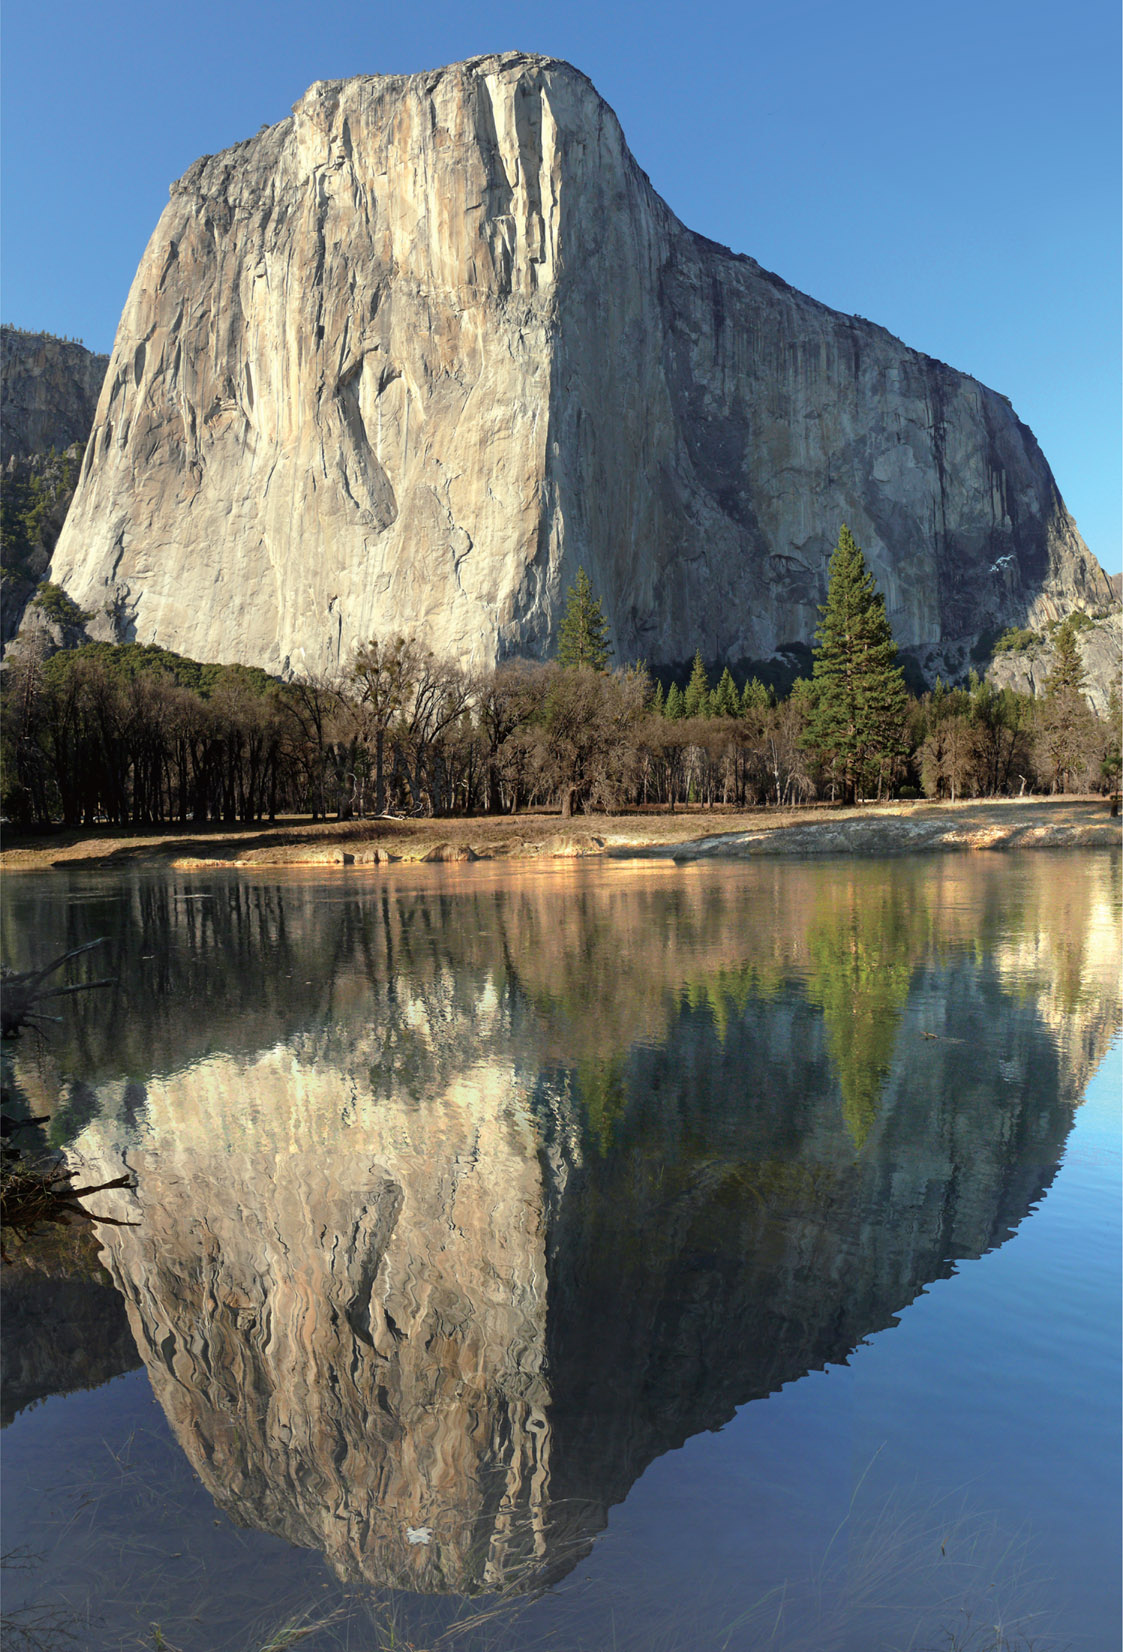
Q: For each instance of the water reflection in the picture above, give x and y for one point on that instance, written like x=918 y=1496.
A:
x=462 y=1199
x=64 y=1329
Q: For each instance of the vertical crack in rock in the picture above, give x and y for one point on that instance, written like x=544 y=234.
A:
x=466 y=274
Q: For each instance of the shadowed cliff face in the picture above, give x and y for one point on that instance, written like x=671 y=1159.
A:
x=405 y=360
x=50 y=392
x=49 y=389
x=547 y=1173
x=60 y=1333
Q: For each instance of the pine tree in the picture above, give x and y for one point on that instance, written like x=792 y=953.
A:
x=1064 y=717
x=1067 y=676
x=725 y=702
x=675 y=706
x=1111 y=766
x=583 y=637
x=698 y=690
x=860 y=700
x=755 y=696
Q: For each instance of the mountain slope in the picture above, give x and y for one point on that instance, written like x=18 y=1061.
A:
x=406 y=360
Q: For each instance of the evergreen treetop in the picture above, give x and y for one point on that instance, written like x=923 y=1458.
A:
x=755 y=696
x=860 y=700
x=697 y=698
x=583 y=636
x=725 y=700
x=675 y=706
x=1067 y=675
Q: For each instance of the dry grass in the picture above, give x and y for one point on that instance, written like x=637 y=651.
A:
x=291 y=841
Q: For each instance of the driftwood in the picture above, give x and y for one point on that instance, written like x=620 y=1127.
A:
x=30 y=1195
x=33 y=1193
x=22 y=993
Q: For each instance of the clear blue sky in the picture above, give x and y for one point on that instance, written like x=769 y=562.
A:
x=948 y=170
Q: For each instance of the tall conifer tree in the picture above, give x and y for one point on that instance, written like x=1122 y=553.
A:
x=755 y=697
x=725 y=700
x=859 y=695
x=583 y=637
x=1064 y=717
x=697 y=699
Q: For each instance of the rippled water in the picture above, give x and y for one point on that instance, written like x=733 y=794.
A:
x=608 y=1256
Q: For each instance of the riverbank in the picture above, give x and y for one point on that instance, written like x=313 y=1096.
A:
x=693 y=834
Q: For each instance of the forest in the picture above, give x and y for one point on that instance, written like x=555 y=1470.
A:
x=131 y=734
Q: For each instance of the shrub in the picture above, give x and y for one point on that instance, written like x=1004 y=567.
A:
x=53 y=601
x=1016 y=638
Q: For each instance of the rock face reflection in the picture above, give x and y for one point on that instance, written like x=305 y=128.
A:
x=342 y=1309
x=60 y=1334
x=522 y=1183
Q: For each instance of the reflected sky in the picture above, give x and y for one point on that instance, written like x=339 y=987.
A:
x=465 y=1196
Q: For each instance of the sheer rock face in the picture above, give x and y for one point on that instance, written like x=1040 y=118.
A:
x=50 y=392
x=407 y=359
x=1101 y=653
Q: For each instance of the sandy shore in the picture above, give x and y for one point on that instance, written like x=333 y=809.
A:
x=874 y=829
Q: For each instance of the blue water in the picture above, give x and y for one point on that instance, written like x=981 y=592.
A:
x=821 y=1359
x=988 y=1421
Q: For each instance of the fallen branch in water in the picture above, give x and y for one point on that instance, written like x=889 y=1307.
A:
x=24 y=990
x=30 y=1196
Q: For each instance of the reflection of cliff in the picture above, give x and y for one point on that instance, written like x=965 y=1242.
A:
x=1063 y=948
x=60 y=1333
x=734 y=1238
x=64 y=1326
x=341 y=1304
x=457 y=1257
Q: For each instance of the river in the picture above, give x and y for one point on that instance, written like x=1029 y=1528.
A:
x=633 y=1256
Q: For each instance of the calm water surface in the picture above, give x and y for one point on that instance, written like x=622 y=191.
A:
x=608 y=1256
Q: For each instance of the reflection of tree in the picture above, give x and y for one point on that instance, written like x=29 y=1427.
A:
x=389 y=1275
x=860 y=953
x=726 y=991
x=603 y=1095
x=586 y=961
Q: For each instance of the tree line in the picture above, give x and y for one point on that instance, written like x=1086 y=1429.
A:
x=132 y=734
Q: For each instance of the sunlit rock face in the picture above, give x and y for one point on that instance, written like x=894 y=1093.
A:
x=407 y=359
x=557 y=1171
x=1100 y=647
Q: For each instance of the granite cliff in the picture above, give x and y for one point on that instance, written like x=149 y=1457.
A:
x=405 y=360
x=1100 y=646
x=49 y=389
x=48 y=395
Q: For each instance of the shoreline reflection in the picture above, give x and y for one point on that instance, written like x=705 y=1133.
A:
x=489 y=1193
